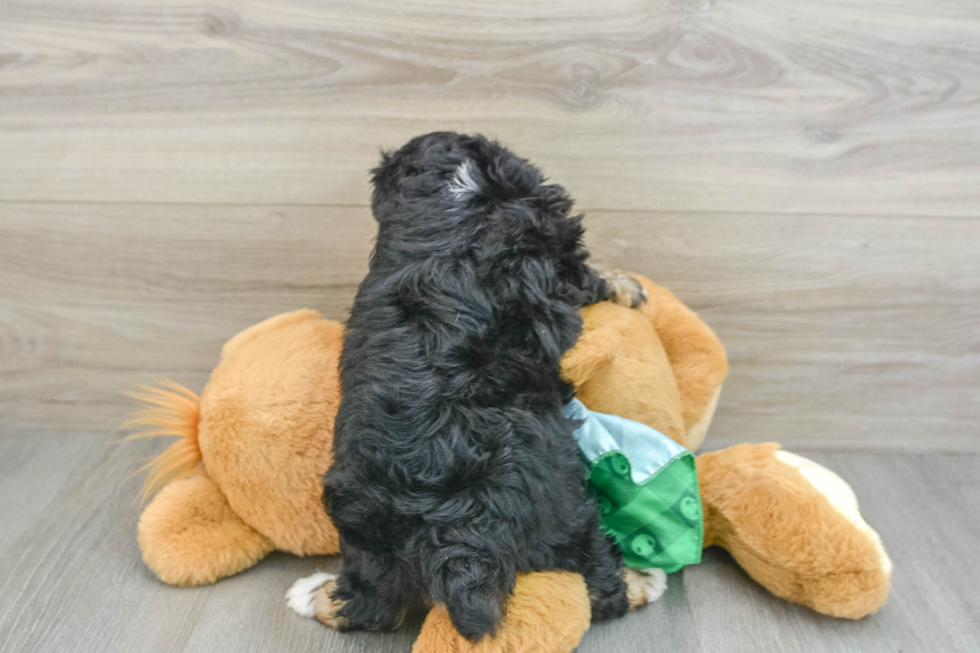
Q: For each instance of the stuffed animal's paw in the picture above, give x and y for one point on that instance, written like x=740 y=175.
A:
x=312 y=597
x=644 y=585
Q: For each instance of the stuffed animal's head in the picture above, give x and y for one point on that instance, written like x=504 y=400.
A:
x=659 y=365
x=619 y=366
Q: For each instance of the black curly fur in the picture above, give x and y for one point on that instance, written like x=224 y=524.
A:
x=454 y=466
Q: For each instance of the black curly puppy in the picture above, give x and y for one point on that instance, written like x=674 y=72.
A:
x=455 y=467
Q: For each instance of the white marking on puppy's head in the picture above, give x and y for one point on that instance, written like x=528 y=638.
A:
x=463 y=182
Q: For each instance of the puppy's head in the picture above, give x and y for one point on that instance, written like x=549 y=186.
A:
x=449 y=176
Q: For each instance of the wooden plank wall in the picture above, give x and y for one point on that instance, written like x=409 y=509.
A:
x=805 y=175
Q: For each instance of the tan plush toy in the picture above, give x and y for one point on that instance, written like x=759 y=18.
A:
x=244 y=477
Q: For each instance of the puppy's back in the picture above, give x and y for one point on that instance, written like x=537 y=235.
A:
x=451 y=447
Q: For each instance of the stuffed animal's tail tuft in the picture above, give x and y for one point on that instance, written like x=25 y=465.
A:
x=170 y=411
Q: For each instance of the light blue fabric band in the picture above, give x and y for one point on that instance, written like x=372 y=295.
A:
x=647 y=449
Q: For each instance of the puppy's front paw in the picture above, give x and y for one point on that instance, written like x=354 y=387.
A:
x=300 y=595
x=326 y=608
x=644 y=585
x=624 y=289
x=313 y=597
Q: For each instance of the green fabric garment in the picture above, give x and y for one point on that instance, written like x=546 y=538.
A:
x=646 y=486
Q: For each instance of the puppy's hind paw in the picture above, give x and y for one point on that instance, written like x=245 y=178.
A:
x=624 y=289
x=312 y=597
x=300 y=595
x=644 y=586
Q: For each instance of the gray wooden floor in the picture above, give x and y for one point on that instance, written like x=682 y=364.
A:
x=72 y=578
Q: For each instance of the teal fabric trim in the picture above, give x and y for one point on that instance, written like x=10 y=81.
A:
x=647 y=449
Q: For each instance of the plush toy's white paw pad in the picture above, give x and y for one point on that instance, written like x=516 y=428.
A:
x=644 y=585
x=299 y=597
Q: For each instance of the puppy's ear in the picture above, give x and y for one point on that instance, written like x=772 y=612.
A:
x=554 y=199
x=593 y=351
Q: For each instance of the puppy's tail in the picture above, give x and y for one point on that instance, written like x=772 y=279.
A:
x=170 y=411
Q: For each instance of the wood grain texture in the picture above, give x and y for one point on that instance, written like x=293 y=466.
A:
x=838 y=107
x=73 y=578
x=843 y=332
x=28 y=484
x=93 y=298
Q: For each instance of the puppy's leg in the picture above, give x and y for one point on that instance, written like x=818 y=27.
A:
x=606 y=285
x=623 y=289
x=603 y=573
x=472 y=581
x=369 y=594
x=644 y=585
x=309 y=592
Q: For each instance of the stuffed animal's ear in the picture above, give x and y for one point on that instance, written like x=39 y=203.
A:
x=591 y=353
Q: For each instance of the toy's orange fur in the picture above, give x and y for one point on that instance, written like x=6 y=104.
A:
x=171 y=411
x=267 y=426
x=190 y=535
x=618 y=364
x=545 y=614
x=786 y=536
x=262 y=431
x=264 y=426
x=697 y=357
